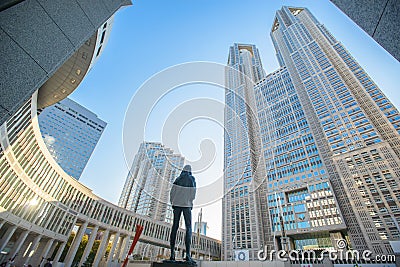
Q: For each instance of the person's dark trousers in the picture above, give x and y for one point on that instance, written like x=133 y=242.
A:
x=187 y=214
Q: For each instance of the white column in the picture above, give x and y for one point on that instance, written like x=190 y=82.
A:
x=125 y=248
x=7 y=236
x=17 y=246
x=58 y=254
x=46 y=225
x=44 y=253
x=33 y=248
x=89 y=246
x=75 y=245
x=63 y=215
x=53 y=247
x=101 y=249
x=18 y=201
x=92 y=206
x=113 y=246
x=102 y=211
x=119 y=248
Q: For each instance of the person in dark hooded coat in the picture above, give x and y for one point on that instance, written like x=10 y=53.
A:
x=182 y=194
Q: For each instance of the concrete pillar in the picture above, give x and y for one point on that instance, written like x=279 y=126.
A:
x=23 y=251
x=46 y=225
x=44 y=253
x=90 y=212
x=119 y=248
x=102 y=211
x=36 y=257
x=1 y=224
x=32 y=249
x=7 y=236
x=113 y=246
x=292 y=243
x=75 y=245
x=101 y=249
x=51 y=251
x=17 y=202
x=17 y=246
x=125 y=248
x=89 y=246
x=58 y=254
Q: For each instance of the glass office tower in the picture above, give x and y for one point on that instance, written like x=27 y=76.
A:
x=146 y=190
x=326 y=137
x=355 y=127
x=70 y=132
x=301 y=204
x=243 y=226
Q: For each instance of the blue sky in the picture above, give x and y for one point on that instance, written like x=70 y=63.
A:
x=150 y=36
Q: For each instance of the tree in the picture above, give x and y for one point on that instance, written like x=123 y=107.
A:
x=90 y=259
x=66 y=248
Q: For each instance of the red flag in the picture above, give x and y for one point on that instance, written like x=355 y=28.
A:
x=139 y=230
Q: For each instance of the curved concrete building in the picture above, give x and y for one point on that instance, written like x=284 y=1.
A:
x=49 y=45
x=68 y=77
x=40 y=206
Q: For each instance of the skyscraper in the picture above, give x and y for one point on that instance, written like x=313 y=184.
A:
x=146 y=189
x=71 y=133
x=243 y=225
x=356 y=128
x=301 y=203
x=330 y=145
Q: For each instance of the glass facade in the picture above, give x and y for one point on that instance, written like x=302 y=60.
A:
x=70 y=133
x=300 y=196
x=355 y=127
x=329 y=146
x=243 y=228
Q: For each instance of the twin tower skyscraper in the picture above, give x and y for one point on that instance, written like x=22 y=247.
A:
x=312 y=150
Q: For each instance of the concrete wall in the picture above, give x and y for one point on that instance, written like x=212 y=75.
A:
x=379 y=18
x=37 y=37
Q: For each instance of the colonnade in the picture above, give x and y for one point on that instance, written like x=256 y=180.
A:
x=41 y=206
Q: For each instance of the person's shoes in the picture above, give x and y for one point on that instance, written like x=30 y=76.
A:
x=190 y=261
x=171 y=260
